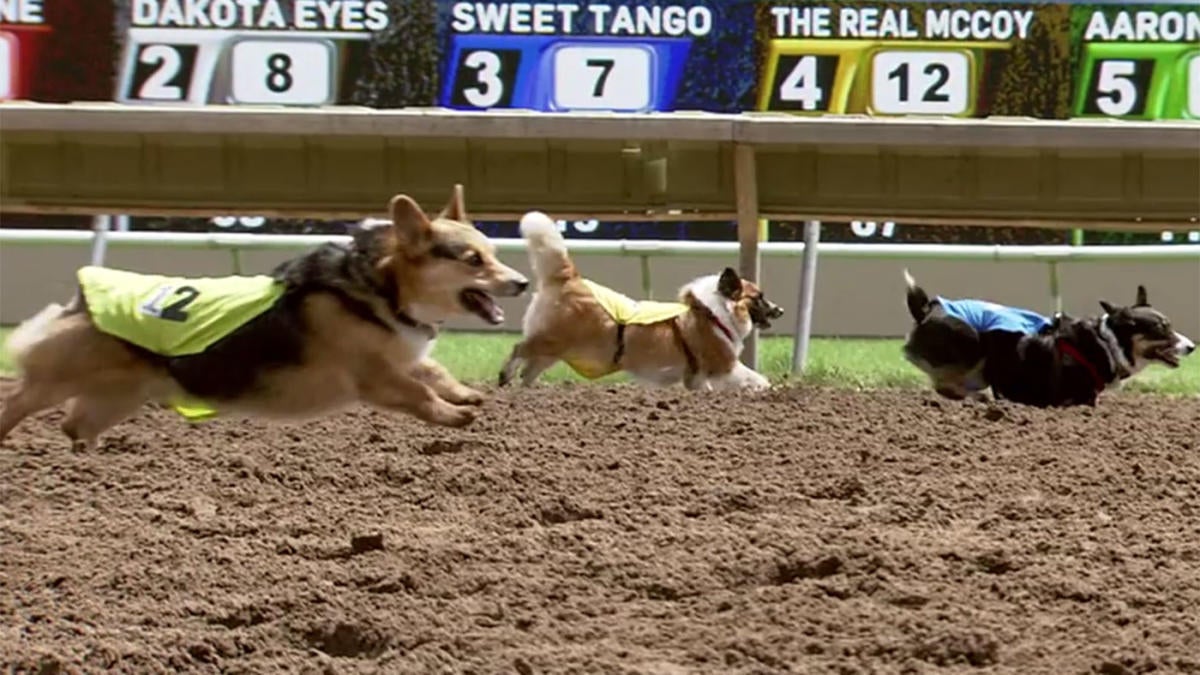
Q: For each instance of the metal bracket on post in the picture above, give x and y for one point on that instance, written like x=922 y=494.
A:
x=745 y=181
x=100 y=227
x=647 y=286
x=1055 y=291
x=808 y=287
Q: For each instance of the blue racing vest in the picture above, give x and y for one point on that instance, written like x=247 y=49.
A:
x=984 y=316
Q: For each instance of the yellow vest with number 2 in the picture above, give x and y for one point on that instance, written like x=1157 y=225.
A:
x=174 y=316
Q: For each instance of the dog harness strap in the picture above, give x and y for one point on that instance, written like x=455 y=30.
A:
x=1070 y=350
x=390 y=295
x=692 y=367
x=717 y=322
x=620 y=344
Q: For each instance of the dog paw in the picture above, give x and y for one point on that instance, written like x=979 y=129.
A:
x=468 y=396
x=454 y=416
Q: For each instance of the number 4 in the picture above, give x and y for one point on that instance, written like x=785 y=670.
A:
x=801 y=85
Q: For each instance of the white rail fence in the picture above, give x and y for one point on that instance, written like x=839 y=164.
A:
x=235 y=243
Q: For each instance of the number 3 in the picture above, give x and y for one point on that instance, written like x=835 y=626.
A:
x=1115 y=93
x=490 y=87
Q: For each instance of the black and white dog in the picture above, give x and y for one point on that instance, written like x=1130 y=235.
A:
x=969 y=346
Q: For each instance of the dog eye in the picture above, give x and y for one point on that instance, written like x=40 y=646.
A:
x=474 y=259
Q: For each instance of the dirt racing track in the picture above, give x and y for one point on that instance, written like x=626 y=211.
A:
x=614 y=530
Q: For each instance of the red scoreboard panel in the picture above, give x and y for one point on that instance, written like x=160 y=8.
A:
x=23 y=29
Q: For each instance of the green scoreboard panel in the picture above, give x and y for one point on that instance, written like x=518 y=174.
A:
x=1048 y=60
x=1139 y=63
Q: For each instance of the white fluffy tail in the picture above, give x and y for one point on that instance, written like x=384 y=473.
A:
x=31 y=331
x=547 y=248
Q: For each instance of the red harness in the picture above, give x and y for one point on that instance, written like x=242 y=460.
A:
x=717 y=322
x=1070 y=350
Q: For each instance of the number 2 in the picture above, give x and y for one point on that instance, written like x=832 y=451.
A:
x=166 y=62
x=605 y=66
x=489 y=88
x=173 y=312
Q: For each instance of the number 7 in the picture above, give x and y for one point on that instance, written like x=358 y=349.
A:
x=605 y=66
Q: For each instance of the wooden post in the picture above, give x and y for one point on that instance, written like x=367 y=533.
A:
x=745 y=180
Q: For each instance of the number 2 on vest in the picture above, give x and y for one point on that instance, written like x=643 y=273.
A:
x=169 y=302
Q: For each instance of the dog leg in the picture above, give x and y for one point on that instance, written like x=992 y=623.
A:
x=91 y=414
x=400 y=391
x=436 y=376
x=515 y=360
x=534 y=367
x=28 y=399
x=532 y=357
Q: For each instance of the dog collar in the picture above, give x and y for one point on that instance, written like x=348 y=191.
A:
x=1070 y=350
x=712 y=316
x=1120 y=362
x=728 y=333
x=404 y=318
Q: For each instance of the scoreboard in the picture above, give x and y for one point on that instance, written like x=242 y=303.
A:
x=1046 y=59
x=180 y=51
x=567 y=56
x=23 y=29
x=1140 y=65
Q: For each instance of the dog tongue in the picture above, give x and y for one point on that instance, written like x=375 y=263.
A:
x=485 y=306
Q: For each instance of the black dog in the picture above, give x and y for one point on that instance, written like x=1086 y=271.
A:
x=969 y=346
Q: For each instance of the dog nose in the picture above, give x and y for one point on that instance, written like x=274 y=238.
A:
x=520 y=285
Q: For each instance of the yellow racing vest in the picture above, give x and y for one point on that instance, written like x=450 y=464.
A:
x=625 y=311
x=174 y=316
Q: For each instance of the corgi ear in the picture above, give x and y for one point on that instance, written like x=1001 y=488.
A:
x=1142 y=300
x=730 y=284
x=1108 y=308
x=456 y=208
x=409 y=223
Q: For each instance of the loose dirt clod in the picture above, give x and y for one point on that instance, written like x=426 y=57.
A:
x=800 y=530
x=366 y=542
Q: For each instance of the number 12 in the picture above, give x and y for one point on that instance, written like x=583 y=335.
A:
x=933 y=93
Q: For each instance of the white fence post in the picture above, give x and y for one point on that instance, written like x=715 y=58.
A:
x=808 y=289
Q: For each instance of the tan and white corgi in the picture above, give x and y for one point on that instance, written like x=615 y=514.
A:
x=597 y=331
x=341 y=324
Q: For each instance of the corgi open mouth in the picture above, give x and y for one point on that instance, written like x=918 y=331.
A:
x=1165 y=354
x=761 y=318
x=481 y=304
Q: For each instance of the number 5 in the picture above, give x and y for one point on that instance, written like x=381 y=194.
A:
x=1115 y=93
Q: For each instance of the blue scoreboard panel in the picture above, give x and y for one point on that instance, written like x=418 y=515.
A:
x=558 y=74
x=560 y=56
